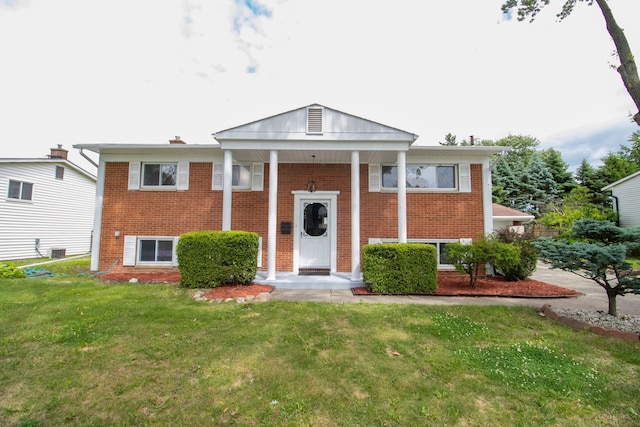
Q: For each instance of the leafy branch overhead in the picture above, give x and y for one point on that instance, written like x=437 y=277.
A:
x=627 y=69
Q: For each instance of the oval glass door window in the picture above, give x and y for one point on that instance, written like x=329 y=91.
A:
x=315 y=219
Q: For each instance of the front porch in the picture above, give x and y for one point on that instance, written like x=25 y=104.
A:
x=289 y=280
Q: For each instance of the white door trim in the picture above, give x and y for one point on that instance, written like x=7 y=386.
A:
x=298 y=196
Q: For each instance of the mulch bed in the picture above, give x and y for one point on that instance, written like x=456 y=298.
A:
x=448 y=285
x=492 y=287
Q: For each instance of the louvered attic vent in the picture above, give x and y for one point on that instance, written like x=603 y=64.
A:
x=314 y=120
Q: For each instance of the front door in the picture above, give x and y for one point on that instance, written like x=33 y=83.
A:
x=315 y=234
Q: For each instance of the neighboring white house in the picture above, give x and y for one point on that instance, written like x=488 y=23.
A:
x=46 y=207
x=504 y=217
x=626 y=195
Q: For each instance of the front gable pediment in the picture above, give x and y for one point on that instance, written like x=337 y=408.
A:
x=314 y=123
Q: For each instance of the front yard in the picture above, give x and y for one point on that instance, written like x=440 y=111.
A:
x=74 y=351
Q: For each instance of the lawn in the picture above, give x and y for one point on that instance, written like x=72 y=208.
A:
x=74 y=351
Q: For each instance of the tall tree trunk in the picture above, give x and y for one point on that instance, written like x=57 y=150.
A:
x=613 y=309
x=627 y=69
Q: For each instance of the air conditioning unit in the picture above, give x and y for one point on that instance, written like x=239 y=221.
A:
x=58 y=252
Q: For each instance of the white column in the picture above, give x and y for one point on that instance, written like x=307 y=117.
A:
x=487 y=197
x=273 y=215
x=227 y=190
x=355 y=215
x=402 y=197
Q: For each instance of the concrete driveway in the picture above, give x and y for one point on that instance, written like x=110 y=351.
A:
x=594 y=297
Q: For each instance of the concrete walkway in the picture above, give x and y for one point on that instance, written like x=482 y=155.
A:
x=594 y=297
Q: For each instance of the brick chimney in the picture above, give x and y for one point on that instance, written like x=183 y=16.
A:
x=176 y=140
x=59 y=153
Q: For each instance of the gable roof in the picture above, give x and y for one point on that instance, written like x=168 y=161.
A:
x=620 y=181
x=329 y=125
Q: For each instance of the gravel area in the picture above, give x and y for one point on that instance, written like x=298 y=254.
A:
x=624 y=322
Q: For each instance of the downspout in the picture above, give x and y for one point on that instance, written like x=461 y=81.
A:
x=616 y=208
x=89 y=159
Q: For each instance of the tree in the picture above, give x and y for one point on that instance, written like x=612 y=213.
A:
x=580 y=203
x=588 y=177
x=627 y=69
x=449 y=140
x=539 y=185
x=522 y=150
x=559 y=170
x=599 y=254
x=471 y=258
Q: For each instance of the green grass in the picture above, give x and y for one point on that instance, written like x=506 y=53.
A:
x=74 y=351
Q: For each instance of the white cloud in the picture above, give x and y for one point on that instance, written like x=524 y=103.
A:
x=144 y=71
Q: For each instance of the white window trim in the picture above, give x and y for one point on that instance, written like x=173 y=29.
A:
x=462 y=179
x=136 y=170
x=131 y=255
x=158 y=187
x=20 y=199
x=256 y=180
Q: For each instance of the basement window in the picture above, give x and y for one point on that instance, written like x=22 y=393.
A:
x=155 y=250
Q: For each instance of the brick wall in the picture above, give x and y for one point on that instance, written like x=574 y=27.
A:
x=171 y=213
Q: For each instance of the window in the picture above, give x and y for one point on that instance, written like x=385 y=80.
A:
x=19 y=190
x=59 y=172
x=441 y=248
x=440 y=245
x=154 y=250
x=159 y=174
x=421 y=176
x=241 y=176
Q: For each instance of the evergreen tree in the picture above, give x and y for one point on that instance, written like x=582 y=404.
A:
x=590 y=178
x=538 y=185
x=449 y=139
x=559 y=169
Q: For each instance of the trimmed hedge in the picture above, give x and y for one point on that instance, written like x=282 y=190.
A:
x=400 y=268
x=209 y=259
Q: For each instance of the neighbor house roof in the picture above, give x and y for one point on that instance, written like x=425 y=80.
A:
x=503 y=212
x=620 y=181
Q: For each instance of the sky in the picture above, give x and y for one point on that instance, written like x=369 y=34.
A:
x=145 y=71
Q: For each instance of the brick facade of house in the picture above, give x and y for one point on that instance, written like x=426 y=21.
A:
x=430 y=215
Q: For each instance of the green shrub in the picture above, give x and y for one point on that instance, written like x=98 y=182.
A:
x=213 y=258
x=472 y=258
x=528 y=255
x=8 y=270
x=400 y=268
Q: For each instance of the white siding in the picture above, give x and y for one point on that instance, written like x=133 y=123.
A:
x=60 y=214
x=628 y=194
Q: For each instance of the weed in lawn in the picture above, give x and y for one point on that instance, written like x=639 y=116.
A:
x=532 y=366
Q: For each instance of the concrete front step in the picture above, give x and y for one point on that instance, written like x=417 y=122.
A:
x=285 y=280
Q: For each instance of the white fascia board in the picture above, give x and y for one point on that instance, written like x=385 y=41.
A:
x=318 y=145
x=325 y=136
x=154 y=152
x=515 y=218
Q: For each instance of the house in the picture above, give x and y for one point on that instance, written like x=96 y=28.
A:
x=47 y=207
x=626 y=196
x=315 y=183
x=504 y=217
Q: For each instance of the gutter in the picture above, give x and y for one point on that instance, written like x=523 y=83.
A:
x=89 y=159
